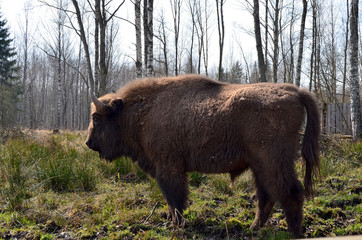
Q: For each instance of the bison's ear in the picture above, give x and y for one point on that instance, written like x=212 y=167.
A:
x=117 y=105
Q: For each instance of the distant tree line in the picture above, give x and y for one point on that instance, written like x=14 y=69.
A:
x=304 y=42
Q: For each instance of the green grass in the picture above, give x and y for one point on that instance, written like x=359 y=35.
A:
x=52 y=186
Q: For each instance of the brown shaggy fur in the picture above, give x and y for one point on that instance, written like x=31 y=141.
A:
x=175 y=125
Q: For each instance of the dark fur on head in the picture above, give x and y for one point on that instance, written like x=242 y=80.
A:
x=175 y=125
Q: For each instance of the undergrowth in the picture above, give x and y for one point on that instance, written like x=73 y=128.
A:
x=52 y=186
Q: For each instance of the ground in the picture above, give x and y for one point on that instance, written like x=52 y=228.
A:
x=53 y=187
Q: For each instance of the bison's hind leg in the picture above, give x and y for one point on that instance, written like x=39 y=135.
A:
x=174 y=188
x=292 y=204
x=279 y=183
x=265 y=206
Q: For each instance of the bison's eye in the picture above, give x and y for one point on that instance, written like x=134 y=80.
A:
x=95 y=120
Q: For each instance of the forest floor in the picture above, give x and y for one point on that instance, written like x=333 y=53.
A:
x=53 y=187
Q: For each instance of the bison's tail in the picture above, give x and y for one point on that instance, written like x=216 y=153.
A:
x=310 y=146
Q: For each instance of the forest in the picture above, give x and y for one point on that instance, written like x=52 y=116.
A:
x=57 y=53
x=81 y=46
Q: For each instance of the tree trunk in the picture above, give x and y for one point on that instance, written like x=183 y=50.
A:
x=148 y=36
x=221 y=30
x=301 y=43
x=266 y=63
x=206 y=44
x=137 y=6
x=59 y=76
x=102 y=51
x=291 y=44
x=176 y=9
x=354 y=76
x=276 y=42
x=345 y=56
x=25 y=73
x=97 y=20
x=85 y=45
x=333 y=58
x=259 y=46
x=164 y=42
x=312 y=55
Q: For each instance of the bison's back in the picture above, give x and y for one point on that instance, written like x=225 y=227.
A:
x=208 y=124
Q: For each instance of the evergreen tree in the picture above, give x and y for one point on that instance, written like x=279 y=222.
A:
x=236 y=73
x=9 y=85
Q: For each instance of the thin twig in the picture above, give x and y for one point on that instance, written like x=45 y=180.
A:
x=153 y=210
x=227 y=231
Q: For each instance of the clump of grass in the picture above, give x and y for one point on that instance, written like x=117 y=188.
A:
x=13 y=176
x=221 y=183
x=339 y=155
x=26 y=165
x=196 y=179
x=64 y=169
x=121 y=168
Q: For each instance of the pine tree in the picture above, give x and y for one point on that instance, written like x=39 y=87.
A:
x=236 y=73
x=9 y=86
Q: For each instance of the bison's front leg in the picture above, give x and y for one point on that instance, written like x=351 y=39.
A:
x=174 y=187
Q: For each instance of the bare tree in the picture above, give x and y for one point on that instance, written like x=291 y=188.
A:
x=200 y=32
x=59 y=52
x=176 y=16
x=148 y=35
x=221 y=31
x=162 y=36
x=102 y=18
x=82 y=34
x=315 y=53
x=259 y=46
x=345 y=52
x=25 y=107
x=291 y=44
x=191 y=5
x=206 y=38
x=276 y=33
x=301 y=43
x=354 y=76
x=137 y=6
x=266 y=26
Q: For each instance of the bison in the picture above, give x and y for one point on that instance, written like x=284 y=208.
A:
x=175 y=125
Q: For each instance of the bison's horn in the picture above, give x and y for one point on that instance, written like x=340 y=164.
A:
x=100 y=106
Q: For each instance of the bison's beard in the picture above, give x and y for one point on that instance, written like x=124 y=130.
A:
x=109 y=156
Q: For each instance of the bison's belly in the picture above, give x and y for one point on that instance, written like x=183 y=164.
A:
x=225 y=162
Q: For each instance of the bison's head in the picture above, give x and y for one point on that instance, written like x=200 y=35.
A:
x=104 y=131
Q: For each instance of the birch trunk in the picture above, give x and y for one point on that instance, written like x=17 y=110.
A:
x=354 y=76
x=138 y=38
x=149 y=38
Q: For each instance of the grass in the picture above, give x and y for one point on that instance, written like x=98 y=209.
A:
x=52 y=186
